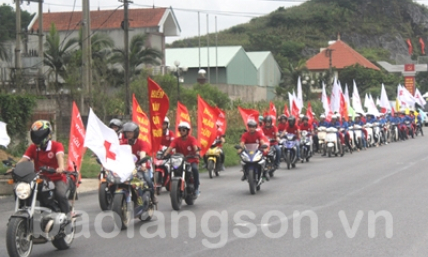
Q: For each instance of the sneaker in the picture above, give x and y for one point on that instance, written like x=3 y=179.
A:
x=155 y=200
x=197 y=192
x=222 y=168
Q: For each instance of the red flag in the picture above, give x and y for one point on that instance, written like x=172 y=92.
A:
x=182 y=115
x=207 y=130
x=77 y=138
x=295 y=111
x=248 y=114
x=309 y=113
x=421 y=41
x=343 y=108
x=272 y=112
x=222 y=119
x=409 y=44
x=158 y=106
x=286 y=111
x=139 y=117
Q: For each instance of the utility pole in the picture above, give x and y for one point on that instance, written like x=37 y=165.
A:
x=86 y=55
x=126 y=42
x=18 y=64
x=40 y=79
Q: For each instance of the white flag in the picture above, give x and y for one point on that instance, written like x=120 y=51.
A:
x=348 y=103
x=103 y=141
x=4 y=137
x=419 y=99
x=406 y=99
x=356 y=100
x=372 y=109
x=335 y=96
x=290 y=100
x=299 y=94
x=384 y=101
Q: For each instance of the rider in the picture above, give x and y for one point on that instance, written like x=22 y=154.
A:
x=358 y=121
x=167 y=134
x=131 y=132
x=271 y=132
x=345 y=126
x=305 y=125
x=46 y=152
x=187 y=145
x=323 y=122
x=294 y=129
x=282 y=125
x=252 y=136
x=117 y=126
x=219 y=141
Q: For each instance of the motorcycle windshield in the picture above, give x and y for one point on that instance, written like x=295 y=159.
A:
x=24 y=171
x=251 y=147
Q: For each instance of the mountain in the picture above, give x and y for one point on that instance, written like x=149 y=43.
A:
x=376 y=28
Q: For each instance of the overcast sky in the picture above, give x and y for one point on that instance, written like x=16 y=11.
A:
x=229 y=12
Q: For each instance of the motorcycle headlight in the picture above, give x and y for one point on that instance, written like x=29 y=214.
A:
x=176 y=162
x=23 y=190
x=245 y=157
x=258 y=157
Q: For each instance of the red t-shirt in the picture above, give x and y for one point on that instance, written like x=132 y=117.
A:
x=220 y=134
x=293 y=130
x=46 y=158
x=306 y=127
x=271 y=133
x=138 y=147
x=167 y=138
x=282 y=127
x=252 y=138
x=186 y=147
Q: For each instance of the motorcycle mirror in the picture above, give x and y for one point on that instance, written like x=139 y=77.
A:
x=237 y=147
x=7 y=163
x=263 y=147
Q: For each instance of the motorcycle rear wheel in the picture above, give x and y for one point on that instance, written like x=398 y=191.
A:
x=16 y=235
x=158 y=179
x=211 y=166
x=176 y=195
x=64 y=243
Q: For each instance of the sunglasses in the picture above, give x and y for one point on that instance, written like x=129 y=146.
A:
x=252 y=126
x=182 y=129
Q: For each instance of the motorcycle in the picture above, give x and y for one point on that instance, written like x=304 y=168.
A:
x=132 y=198
x=105 y=191
x=182 y=181
x=333 y=145
x=351 y=137
x=358 y=136
x=321 y=138
x=253 y=164
x=161 y=175
x=31 y=224
x=306 y=146
x=290 y=150
x=409 y=128
x=270 y=166
x=394 y=132
x=213 y=159
x=419 y=129
x=377 y=134
x=370 y=138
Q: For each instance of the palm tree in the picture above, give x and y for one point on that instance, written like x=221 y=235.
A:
x=57 y=55
x=138 y=55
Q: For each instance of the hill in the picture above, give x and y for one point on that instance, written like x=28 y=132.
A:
x=376 y=28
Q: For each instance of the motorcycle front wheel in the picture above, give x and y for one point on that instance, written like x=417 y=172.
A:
x=211 y=166
x=120 y=207
x=176 y=195
x=251 y=181
x=18 y=241
x=104 y=196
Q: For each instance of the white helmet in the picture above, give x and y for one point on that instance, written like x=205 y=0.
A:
x=184 y=124
x=301 y=116
x=322 y=116
x=334 y=116
x=166 y=120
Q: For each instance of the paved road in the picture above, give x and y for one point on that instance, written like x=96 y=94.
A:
x=339 y=199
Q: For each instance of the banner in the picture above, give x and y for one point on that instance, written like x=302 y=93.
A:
x=309 y=114
x=222 y=119
x=343 y=108
x=286 y=111
x=76 y=149
x=248 y=114
x=139 y=117
x=182 y=115
x=158 y=107
x=207 y=130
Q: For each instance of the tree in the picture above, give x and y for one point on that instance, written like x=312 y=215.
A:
x=56 y=55
x=139 y=55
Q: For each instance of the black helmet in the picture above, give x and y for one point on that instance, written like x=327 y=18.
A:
x=292 y=120
x=268 y=118
x=115 y=122
x=40 y=133
x=131 y=126
x=252 y=123
x=283 y=117
x=305 y=118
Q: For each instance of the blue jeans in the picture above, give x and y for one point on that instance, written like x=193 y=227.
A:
x=195 y=171
x=278 y=154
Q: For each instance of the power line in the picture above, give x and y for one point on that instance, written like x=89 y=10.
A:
x=68 y=26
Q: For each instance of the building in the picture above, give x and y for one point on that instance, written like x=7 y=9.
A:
x=242 y=75
x=337 y=55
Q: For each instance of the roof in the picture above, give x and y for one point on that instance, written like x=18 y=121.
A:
x=189 y=57
x=257 y=58
x=342 y=56
x=103 y=19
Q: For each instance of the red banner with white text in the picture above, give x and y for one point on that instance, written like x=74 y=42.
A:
x=77 y=138
x=139 y=117
x=249 y=114
x=158 y=106
x=182 y=115
x=207 y=130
